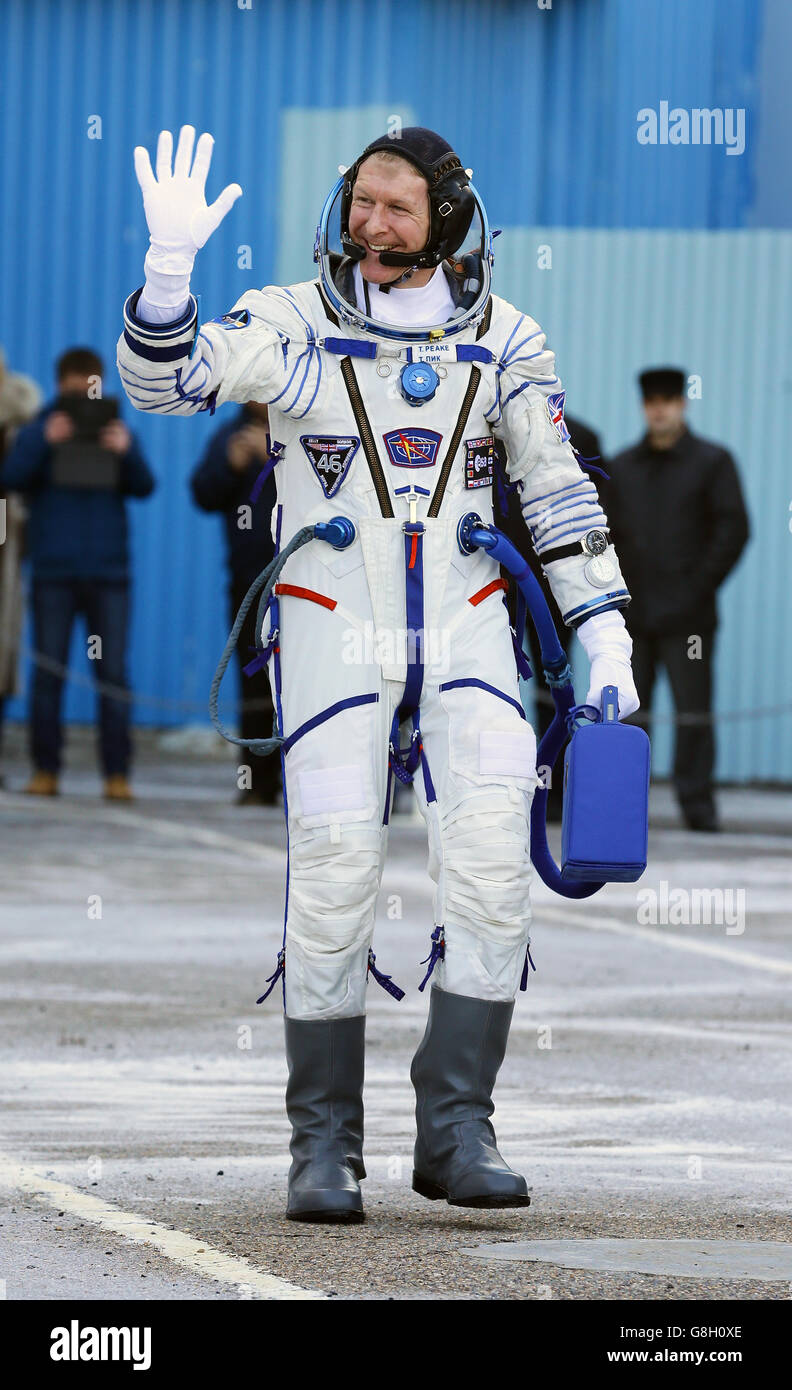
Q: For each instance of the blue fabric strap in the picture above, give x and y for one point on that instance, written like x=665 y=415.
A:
x=437 y=953
x=275 y=457
x=272 y=980
x=471 y=352
x=261 y=658
x=482 y=685
x=405 y=763
x=528 y=957
x=518 y=633
x=386 y=813
x=431 y=794
x=326 y=714
x=384 y=980
x=413 y=558
x=349 y=347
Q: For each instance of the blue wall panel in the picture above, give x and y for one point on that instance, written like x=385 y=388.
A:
x=541 y=103
x=614 y=302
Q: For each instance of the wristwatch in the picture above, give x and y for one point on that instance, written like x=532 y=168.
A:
x=601 y=569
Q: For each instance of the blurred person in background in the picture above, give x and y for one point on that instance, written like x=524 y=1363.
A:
x=509 y=518
x=229 y=479
x=19 y=400
x=679 y=522
x=77 y=463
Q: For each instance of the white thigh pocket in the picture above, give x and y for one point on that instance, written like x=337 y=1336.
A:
x=488 y=740
x=507 y=753
x=331 y=789
x=335 y=774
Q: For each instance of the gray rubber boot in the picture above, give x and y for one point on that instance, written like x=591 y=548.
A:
x=453 y=1072
x=324 y=1102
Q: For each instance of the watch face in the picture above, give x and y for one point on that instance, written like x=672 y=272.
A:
x=595 y=542
x=600 y=570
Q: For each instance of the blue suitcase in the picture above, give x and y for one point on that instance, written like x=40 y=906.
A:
x=605 y=819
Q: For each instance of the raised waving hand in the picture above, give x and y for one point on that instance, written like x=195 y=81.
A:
x=179 y=220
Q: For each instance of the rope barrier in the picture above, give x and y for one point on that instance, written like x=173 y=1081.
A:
x=188 y=707
x=119 y=692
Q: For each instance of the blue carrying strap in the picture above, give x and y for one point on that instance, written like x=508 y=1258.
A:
x=559 y=678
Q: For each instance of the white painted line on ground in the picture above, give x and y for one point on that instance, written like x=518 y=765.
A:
x=744 y=959
x=585 y=919
x=170 y=829
x=248 y=848
x=626 y=1027
x=194 y=1255
x=214 y=839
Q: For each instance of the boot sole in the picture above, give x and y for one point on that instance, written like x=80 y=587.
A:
x=328 y=1218
x=326 y=1204
x=434 y=1193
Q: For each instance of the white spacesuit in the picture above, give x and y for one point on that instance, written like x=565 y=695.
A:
x=386 y=417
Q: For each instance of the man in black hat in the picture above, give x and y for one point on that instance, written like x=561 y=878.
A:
x=679 y=523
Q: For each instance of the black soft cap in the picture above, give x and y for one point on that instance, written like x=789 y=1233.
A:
x=662 y=381
x=429 y=152
x=451 y=201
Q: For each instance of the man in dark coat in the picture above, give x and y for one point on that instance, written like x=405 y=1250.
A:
x=228 y=480
x=678 y=520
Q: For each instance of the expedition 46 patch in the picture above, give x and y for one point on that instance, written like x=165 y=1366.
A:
x=479 y=461
x=412 y=448
x=330 y=457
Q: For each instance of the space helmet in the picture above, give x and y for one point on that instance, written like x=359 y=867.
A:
x=459 y=236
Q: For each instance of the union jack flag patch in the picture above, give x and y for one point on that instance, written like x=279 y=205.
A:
x=555 y=414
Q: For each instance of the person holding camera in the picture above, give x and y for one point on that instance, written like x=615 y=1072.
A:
x=77 y=462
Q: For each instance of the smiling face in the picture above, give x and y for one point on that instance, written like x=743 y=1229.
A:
x=389 y=211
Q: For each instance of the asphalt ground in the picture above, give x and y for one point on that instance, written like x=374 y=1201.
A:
x=646 y=1091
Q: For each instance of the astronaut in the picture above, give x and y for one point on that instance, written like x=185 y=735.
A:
x=386 y=379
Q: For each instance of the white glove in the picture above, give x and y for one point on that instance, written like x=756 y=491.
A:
x=608 y=646
x=179 y=221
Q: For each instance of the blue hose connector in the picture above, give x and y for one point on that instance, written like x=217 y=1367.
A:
x=467 y=524
x=340 y=532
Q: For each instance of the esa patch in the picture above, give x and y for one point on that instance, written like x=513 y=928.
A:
x=330 y=457
x=479 y=461
x=236 y=318
x=555 y=414
x=412 y=448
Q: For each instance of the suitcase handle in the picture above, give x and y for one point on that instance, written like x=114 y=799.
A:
x=610 y=705
x=608 y=714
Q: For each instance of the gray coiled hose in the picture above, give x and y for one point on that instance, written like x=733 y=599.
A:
x=263 y=584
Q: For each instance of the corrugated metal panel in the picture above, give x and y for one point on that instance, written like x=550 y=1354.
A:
x=542 y=104
x=719 y=305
